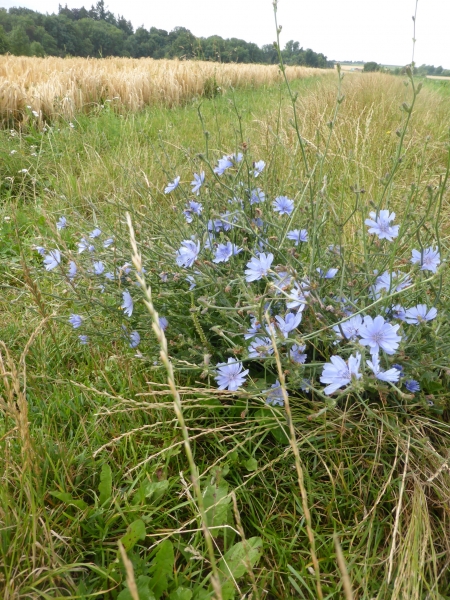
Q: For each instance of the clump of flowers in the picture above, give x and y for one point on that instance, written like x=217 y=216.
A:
x=245 y=278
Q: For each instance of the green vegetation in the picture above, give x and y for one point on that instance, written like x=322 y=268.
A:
x=99 y=33
x=371 y=67
x=91 y=446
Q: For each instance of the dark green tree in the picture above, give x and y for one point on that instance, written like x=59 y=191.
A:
x=19 y=42
x=4 y=43
x=370 y=67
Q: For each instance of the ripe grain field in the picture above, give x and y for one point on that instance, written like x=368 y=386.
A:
x=66 y=86
x=350 y=502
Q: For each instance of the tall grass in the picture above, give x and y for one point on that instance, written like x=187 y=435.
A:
x=66 y=86
x=364 y=488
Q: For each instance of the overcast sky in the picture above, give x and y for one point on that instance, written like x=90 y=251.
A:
x=365 y=30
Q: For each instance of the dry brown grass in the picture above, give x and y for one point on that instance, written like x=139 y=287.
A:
x=364 y=136
x=438 y=77
x=64 y=86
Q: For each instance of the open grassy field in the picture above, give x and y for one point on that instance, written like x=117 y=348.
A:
x=208 y=495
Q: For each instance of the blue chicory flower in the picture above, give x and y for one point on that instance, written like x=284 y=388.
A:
x=339 y=373
x=306 y=386
x=390 y=282
x=192 y=208
x=76 y=321
x=163 y=323
x=397 y=312
x=135 y=339
x=257 y=196
x=259 y=168
x=289 y=323
x=72 y=272
x=296 y=298
x=107 y=243
x=399 y=369
x=226 y=220
x=412 y=385
x=225 y=251
x=187 y=254
x=428 y=260
x=52 y=259
x=258 y=267
x=253 y=330
x=380 y=225
x=297 y=355
x=83 y=245
x=260 y=347
x=283 y=205
x=275 y=396
x=197 y=182
x=191 y=280
x=84 y=339
x=282 y=280
x=98 y=267
x=377 y=333
x=297 y=236
x=172 y=185
x=258 y=222
x=420 y=314
x=95 y=233
x=350 y=328
x=127 y=305
x=61 y=223
x=231 y=376
x=392 y=375
x=224 y=163
x=214 y=225
x=328 y=275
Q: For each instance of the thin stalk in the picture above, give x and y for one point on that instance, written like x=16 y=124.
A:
x=298 y=464
x=159 y=332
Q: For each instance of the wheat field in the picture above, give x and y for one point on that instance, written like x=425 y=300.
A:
x=65 y=86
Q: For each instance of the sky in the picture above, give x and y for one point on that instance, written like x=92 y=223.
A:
x=358 y=30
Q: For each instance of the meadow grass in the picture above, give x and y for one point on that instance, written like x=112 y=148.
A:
x=376 y=481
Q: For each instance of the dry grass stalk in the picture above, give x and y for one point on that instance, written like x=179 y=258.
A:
x=298 y=464
x=14 y=400
x=65 y=86
x=178 y=409
x=131 y=581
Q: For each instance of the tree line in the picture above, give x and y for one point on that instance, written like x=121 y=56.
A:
x=99 y=33
x=421 y=71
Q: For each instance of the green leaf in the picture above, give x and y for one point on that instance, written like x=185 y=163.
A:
x=162 y=568
x=235 y=562
x=228 y=590
x=215 y=502
x=280 y=434
x=203 y=594
x=181 y=593
x=135 y=532
x=251 y=464
x=67 y=498
x=105 y=485
x=142 y=584
x=150 y=490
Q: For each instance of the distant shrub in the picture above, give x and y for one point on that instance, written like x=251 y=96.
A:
x=371 y=67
